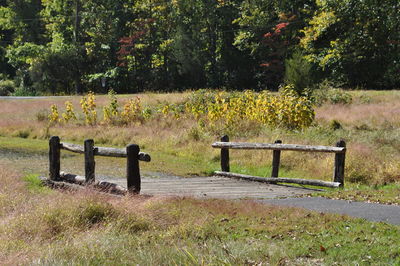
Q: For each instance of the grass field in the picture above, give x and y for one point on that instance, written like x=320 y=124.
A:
x=370 y=125
x=41 y=226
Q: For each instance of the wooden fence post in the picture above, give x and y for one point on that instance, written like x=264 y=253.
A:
x=338 y=174
x=276 y=160
x=54 y=158
x=225 y=156
x=132 y=168
x=89 y=161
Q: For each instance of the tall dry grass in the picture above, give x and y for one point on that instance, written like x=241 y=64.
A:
x=84 y=228
x=370 y=125
x=372 y=115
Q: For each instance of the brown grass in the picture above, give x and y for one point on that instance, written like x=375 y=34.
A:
x=374 y=115
x=182 y=147
x=52 y=227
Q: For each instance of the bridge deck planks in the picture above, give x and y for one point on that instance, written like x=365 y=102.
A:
x=213 y=187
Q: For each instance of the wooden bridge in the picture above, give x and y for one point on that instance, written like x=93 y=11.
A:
x=223 y=185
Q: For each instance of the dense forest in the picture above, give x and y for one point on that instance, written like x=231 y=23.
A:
x=72 y=46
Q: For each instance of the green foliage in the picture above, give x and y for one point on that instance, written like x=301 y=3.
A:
x=299 y=73
x=55 y=70
x=111 y=112
x=7 y=87
x=355 y=43
x=22 y=56
x=174 y=45
x=35 y=185
x=326 y=93
x=25 y=91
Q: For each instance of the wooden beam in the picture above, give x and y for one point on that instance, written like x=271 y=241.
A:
x=54 y=158
x=132 y=169
x=276 y=160
x=279 y=180
x=102 y=151
x=103 y=186
x=70 y=185
x=89 y=161
x=338 y=172
x=72 y=147
x=59 y=185
x=277 y=147
x=225 y=156
x=74 y=179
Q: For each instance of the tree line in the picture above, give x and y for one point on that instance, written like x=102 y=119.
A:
x=71 y=46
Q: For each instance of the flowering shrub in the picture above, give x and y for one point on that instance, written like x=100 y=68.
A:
x=209 y=108
x=54 y=116
x=132 y=111
x=286 y=109
x=69 y=112
x=111 y=113
x=88 y=105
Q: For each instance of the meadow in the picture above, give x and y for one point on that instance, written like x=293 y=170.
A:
x=42 y=226
x=181 y=144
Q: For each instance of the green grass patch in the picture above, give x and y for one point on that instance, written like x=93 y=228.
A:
x=35 y=185
x=24 y=145
x=384 y=194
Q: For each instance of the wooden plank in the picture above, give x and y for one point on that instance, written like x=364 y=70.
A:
x=72 y=147
x=89 y=161
x=277 y=147
x=110 y=152
x=103 y=151
x=280 y=180
x=54 y=158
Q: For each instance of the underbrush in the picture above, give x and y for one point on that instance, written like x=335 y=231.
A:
x=88 y=228
x=211 y=109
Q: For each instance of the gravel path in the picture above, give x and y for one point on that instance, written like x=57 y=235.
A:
x=369 y=211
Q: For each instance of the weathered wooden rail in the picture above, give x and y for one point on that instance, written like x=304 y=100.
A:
x=338 y=174
x=132 y=153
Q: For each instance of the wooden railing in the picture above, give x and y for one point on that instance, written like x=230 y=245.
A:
x=338 y=174
x=132 y=153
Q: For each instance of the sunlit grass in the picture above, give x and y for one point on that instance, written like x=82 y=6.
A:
x=182 y=147
x=88 y=228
